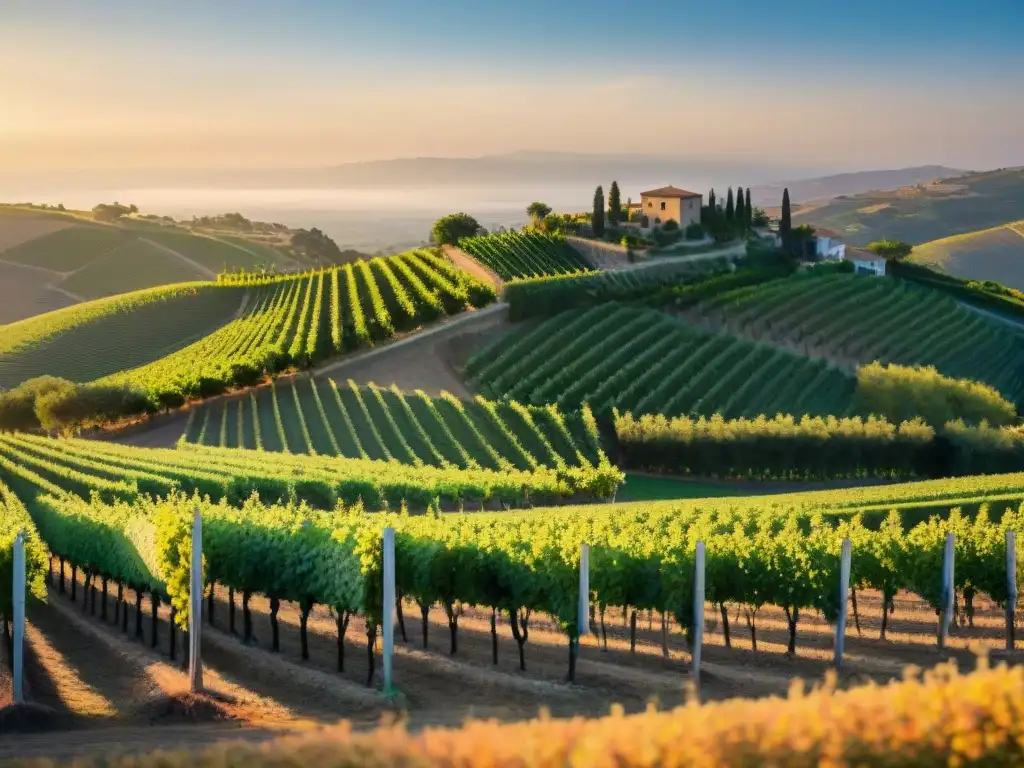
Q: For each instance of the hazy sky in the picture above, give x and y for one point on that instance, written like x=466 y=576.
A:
x=184 y=83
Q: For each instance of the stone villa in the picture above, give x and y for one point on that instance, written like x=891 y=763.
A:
x=658 y=206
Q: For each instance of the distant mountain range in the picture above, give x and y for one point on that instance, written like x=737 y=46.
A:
x=527 y=168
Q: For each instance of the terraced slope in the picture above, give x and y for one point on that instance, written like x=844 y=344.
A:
x=644 y=361
x=297 y=320
x=859 y=319
x=87 y=341
x=518 y=255
x=995 y=254
x=313 y=416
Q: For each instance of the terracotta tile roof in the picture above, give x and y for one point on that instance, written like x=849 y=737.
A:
x=829 y=233
x=669 y=191
x=858 y=254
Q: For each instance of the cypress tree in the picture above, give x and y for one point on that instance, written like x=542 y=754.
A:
x=741 y=211
x=730 y=207
x=711 y=199
x=614 y=205
x=786 y=221
x=597 y=218
x=748 y=209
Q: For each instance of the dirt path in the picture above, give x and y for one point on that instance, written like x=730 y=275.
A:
x=69 y=294
x=203 y=270
x=424 y=360
x=465 y=262
x=733 y=250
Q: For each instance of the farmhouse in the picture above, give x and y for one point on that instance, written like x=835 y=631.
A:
x=669 y=204
x=828 y=246
x=865 y=262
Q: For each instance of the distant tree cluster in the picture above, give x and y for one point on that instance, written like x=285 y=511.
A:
x=315 y=245
x=112 y=211
x=237 y=222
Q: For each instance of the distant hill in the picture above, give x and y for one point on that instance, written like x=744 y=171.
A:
x=922 y=213
x=52 y=259
x=827 y=187
x=989 y=254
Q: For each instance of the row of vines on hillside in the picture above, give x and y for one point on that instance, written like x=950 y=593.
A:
x=522 y=563
x=298 y=320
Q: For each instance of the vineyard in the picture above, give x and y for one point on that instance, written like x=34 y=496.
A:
x=214 y=254
x=644 y=361
x=516 y=255
x=858 y=319
x=34 y=465
x=87 y=341
x=302 y=319
x=528 y=562
x=321 y=417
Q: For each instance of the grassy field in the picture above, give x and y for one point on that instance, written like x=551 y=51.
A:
x=645 y=361
x=858 y=319
x=51 y=259
x=991 y=254
x=309 y=415
x=95 y=339
x=517 y=255
x=67 y=249
x=214 y=254
x=917 y=215
x=133 y=265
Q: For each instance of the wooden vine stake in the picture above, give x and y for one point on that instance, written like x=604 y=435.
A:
x=19 y=616
x=698 y=612
x=948 y=589
x=387 y=617
x=1011 y=589
x=195 y=607
x=844 y=591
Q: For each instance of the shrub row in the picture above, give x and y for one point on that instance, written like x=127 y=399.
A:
x=788 y=448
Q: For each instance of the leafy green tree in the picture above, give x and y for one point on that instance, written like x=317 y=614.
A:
x=730 y=207
x=895 y=250
x=614 y=205
x=741 y=211
x=448 y=230
x=597 y=218
x=538 y=211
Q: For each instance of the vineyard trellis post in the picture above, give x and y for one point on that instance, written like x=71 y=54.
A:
x=948 y=594
x=698 y=612
x=19 y=616
x=387 y=614
x=195 y=608
x=1011 y=589
x=844 y=591
x=583 y=614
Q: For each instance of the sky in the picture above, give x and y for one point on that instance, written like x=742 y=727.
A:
x=231 y=84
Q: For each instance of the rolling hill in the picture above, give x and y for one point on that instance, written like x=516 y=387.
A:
x=990 y=254
x=923 y=213
x=50 y=260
